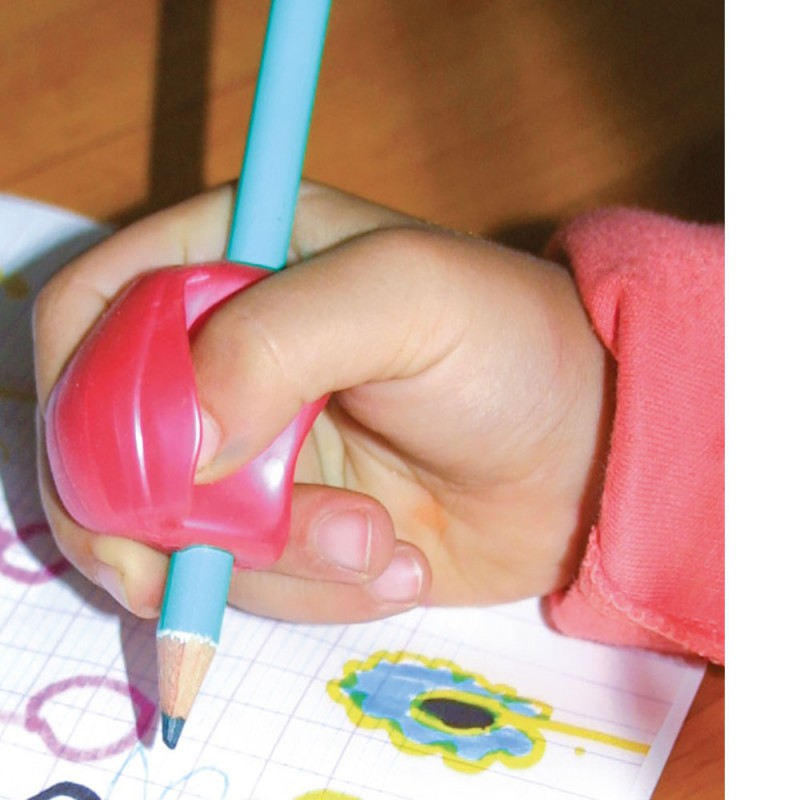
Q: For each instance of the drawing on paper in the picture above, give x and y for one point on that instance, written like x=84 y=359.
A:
x=135 y=770
x=434 y=707
x=14 y=285
x=53 y=563
x=66 y=789
x=326 y=794
x=35 y=717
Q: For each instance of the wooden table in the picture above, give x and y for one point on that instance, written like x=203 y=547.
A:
x=500 y=117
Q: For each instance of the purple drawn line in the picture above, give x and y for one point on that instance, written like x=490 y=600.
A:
x=30 y=577
x=36 y=723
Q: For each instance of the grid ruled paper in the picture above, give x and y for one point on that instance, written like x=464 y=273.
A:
x=361 y=712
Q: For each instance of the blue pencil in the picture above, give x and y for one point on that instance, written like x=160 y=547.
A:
x=199 y=576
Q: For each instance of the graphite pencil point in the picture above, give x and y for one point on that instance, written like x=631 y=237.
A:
x=171 y=728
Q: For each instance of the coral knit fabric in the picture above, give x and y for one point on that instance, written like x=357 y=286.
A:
x=653 y=571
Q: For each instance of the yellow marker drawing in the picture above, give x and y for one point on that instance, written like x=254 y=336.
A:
x=14 y=285
x=20 y=395
x=434 y=707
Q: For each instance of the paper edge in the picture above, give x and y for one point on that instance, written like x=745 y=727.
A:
x=664 y=743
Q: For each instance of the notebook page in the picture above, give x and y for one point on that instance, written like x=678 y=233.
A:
x=468 y=703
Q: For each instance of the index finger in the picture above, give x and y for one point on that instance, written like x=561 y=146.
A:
x=70 y=303
x=192 y=232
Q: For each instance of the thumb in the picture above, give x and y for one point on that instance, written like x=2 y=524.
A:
x=367 y=311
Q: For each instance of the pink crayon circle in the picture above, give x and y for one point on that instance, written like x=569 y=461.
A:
x=31 y=577
x=36 y=723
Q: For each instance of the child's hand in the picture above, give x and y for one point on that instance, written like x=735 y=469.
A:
x=468 y=402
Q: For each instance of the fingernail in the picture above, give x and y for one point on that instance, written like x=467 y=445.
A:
x=110 y=580
x=343 y=539
x=209 y=440
x=401 y=581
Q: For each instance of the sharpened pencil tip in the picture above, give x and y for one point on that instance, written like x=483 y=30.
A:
x=171 y=728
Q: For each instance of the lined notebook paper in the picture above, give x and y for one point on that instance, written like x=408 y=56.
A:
x=431 y=704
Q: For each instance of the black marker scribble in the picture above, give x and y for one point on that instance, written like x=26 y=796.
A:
x=75 y=791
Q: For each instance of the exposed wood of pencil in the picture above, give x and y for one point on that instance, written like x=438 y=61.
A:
x=182 y=666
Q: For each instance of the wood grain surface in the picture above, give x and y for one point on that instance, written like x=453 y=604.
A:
x=498 y=117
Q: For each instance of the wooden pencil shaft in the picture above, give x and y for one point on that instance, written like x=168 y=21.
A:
x=182 y=666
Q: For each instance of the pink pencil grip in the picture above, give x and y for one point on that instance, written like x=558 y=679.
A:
x=123 y=428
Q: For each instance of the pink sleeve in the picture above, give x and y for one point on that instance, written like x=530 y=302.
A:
x=653 y=572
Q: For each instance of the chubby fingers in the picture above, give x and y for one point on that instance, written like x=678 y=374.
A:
x=367 y=311
x=132 y=573
x=342 y=564
x=191 y=232
x=403 y=585
x=71 y=302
